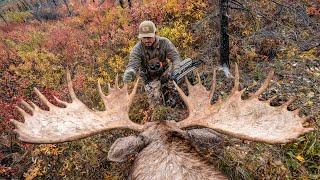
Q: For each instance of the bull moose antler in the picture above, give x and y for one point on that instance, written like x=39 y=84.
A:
x=162 y=157
x=76 y=120
x=249 y=119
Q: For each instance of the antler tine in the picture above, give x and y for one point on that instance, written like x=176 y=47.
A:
x=305 y=119
x=16 y=123
x=35 y=107
x=182 y=95
x=189 y=85
x=70 y=88
x=213 y=83
x=43 y=98
x=290 y=101
x=22 y=135
x=134 y=90
x=271 y=99
x=21 y=131
x=117 y=82
x=27 y=105
x=109 y=87
x=22 y=112
x=198 y=77
x=264 y=85
x=236 y=80
x=200 y=81
x=60 y=101
x=100 y=89
x=102 y=95
x=297 y=111
x=306 y=130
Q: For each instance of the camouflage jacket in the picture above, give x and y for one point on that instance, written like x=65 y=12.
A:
x=148 y=59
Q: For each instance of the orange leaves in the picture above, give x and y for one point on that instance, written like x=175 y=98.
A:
x=313 y=11
x=106 y=4
x=68 y=43
x=91 y=6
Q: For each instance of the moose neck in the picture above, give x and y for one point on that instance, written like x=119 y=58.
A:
x=171 y=157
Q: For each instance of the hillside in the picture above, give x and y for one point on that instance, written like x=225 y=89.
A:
x=94 y=40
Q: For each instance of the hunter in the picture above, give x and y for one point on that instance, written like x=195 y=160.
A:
x=156 y=57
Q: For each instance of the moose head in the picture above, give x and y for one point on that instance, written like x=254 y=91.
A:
x=160 y=156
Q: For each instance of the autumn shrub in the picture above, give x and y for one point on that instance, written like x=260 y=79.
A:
x=18 y=17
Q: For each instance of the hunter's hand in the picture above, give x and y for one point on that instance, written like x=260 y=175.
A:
x=129 y=75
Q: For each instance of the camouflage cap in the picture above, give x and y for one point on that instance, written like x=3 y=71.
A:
x=147 y=29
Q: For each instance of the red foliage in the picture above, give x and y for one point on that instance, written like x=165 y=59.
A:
x=313 y=11
x=8 y=28
x=7 y=112
x=69 y=44
x=152 y=11
x=107 y=4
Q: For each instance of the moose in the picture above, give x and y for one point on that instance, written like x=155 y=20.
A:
x=159 y=154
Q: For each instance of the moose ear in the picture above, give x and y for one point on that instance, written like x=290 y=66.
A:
x=122 y=148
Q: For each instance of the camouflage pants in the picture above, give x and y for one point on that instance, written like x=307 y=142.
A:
x=163 y=93
x=153 y=90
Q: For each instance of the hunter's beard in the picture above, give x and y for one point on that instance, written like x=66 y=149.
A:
x=148 y=44
x=149 y=47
